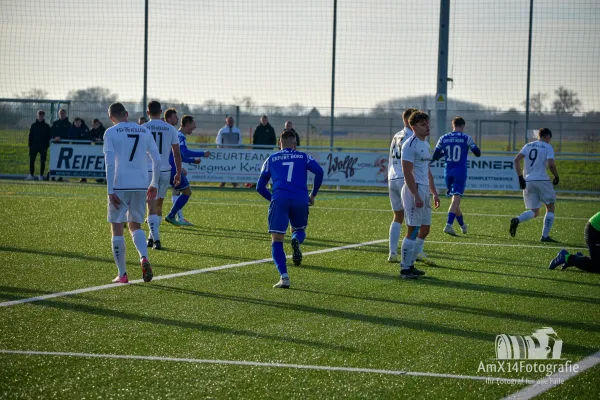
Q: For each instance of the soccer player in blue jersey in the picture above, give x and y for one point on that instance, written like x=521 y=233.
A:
x=193 y=157
x=289 y=199
x=455 y=147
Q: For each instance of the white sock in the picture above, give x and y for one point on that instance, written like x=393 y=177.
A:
x=526 y=216
x=395 y=228
x=118 y=250
x=154 y=224
x=139 y=240
x=548 y=221
x=419 y=243
x=408 y=247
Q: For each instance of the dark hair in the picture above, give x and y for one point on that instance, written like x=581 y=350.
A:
x=407 y=113
x=264 y=116
x=41 y=112
x=77 y=119
x=543 y=132
x=417 y=117
x=95 y=120
x=287 y=134
x=169 y=112
x=154 y=108
x=186 y=119
x=458 y=121
x=117 y=110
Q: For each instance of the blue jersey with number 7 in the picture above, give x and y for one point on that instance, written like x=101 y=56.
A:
x=288 y=170
x=455 y=147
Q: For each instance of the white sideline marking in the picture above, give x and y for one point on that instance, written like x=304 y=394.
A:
x=502 y=245
x=548 y=382
x=177 y=275
x=256 y=364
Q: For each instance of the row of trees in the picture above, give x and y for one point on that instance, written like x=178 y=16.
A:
x=566 y=102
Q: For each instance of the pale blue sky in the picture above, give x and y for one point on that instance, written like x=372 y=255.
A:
x=279 y=51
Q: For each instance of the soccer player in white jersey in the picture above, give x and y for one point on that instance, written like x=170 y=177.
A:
x=395 y=183
x=418 y=181
x=536 y=184
x=165 y=136
x=125 y=147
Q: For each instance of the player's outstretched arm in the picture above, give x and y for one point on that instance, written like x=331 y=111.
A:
x=316 y=169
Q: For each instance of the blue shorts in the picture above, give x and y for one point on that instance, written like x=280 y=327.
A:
x=287 y=211
x=455 y=185
x=184 y=184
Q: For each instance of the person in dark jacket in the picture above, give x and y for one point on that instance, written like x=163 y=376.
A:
x=60 y=127
x=289 y=127
x=39 y=141
x=264 y=134
x=79 y=130
x=97 y=131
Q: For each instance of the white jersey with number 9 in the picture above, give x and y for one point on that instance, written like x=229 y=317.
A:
x=536 y=155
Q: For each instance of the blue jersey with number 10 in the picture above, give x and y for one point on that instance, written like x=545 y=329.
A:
x=455 y=147
x=288 y=170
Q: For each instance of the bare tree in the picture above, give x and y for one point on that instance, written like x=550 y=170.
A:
x=33 y=93
x=536 y=103
x=93 y=94
x=566 y=101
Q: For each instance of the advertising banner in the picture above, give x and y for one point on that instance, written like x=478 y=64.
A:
x=243 y=166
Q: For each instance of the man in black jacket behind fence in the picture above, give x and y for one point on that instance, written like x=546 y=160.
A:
x=264 y=138
x=39 y=141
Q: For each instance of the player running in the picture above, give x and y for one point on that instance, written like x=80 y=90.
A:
x=125 y=147
x=289 y=199
x=454 y=146
x=165 y=136
x=193 y=157
x=536 y=185
x=395 y=183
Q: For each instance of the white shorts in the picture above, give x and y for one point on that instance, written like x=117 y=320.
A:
x=395 y=193
x=417 y=216
x=163 y=183
x=537 y=192
x=131 y=209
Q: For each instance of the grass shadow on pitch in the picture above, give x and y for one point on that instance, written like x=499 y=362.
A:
x=155 y=320
x=483 y=312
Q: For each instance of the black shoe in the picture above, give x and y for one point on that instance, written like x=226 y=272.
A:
x=417 y=272
x=548 y=239
x=157 y=245
x=513 y=226
x=408 y=274
x=150 y=242
x=297 y=257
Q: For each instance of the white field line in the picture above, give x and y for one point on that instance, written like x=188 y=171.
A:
x=558 y=378
x=177 y=275
x=502 y=245
x=256 y=364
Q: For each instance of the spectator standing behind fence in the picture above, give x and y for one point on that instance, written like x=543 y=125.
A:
x=39 y=141
x=142 y=120
x=264 y=137
x=229 y=135
x=97 y=131
x=60 y=128
x=289 y=127
x=79 y=130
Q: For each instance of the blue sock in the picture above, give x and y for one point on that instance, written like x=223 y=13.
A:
x=279 y=258
x=451 y=217
x=459 y=219
x=300 y=235
x=178 y=205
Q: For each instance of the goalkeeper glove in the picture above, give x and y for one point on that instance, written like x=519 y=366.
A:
x=522 y=183
x=556 y=180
